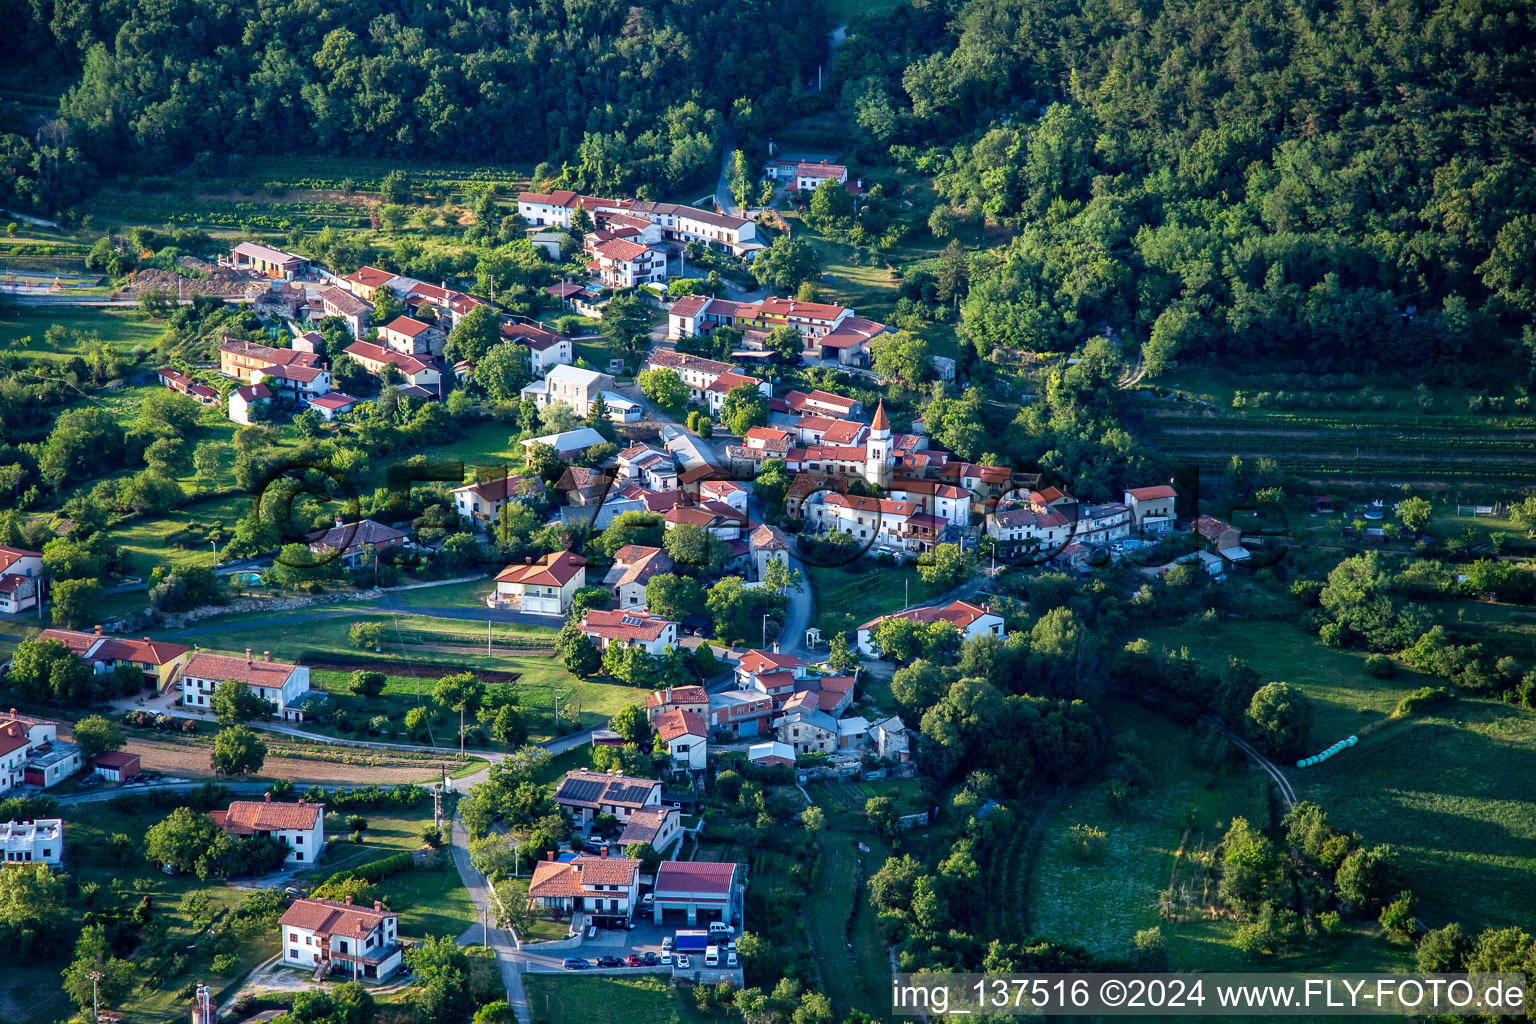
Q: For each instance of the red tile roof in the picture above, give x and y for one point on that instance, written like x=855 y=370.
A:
x=760 y=661
x=1151 y=493
x=144 y=651
x=555 y=569
x=251 y=671
x=535 y=338
x=677 y=695
x=618 y=624
x=621 y=250
x=327 y=917
x=377 y=354
x=688 y=876
x=370 y=277
x=248 y=816
x=10 y=556
x=689 y=306
x=408 y=326
x=679 y=722
x=336 y=400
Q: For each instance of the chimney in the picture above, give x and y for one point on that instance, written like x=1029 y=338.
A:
x=775 y=647
x=98 y=631
x=266 y=655
x=247 y=655
x=349 y=899
x=378 y=904
x=301 y=801
x=148 y=640
x=527 y=559
x=267 y=796
x=602 y=851
x=339 y=523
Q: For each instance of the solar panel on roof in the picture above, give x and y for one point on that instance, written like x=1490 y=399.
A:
x=629 y=794
x=581 y=789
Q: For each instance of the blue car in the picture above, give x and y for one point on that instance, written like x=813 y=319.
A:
x=576 y=963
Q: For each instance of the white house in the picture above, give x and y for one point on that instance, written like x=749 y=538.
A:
x=283 y=684
x=629 y=628
x=809 y=175
x=32 y=842
x=31 y=753
x=294 y=382
x=736 y=235
x=243 y=402
x=605 y=888
x=586 y=793
x=654 y=470
x=545 y=348
x=332 y=405
x=339 y=938
x=348 y=306
x=968 y=619
x=948 y=502
x=633 y=567
x=686 y=737
x=483 y=501
x=21 y=579
x=300 y=826
x=543 y=587
x=621 y=263
x=412 y=337
x=702 y=890
x=659 y=826
x=542 y=209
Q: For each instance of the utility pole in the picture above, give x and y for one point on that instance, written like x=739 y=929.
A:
x=487 y=637
x=95 y=977
x=765 y=630
x=485 y=926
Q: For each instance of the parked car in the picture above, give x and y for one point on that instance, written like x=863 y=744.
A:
x=666 y=959
x=730 y=957
x=650 y=960
x=609 y=961
x=576 y=963
x=683 y=962
x=634 y=960
x=666 y=942
x=648 y=900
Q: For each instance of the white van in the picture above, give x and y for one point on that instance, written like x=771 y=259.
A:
x=719 y=929
x=712 y=956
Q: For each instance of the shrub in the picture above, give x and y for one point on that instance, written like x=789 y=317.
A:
x=1421 y=698
x=1379 y=666
x=1085 y=842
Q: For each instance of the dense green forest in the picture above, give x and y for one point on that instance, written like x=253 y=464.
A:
x=1347 y=181
x=1222 y=176
x=630 y=94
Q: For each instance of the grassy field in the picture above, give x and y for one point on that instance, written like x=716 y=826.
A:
x=1450 y=789
x=430 y=901
x=851 y=595
x=577 y=999
x=119 y=328
x=1101 y=905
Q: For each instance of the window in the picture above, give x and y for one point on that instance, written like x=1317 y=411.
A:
x=298 y=855
x=298 y=839
x=293 y=936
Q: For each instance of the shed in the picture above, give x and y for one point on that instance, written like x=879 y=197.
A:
x=117 y=765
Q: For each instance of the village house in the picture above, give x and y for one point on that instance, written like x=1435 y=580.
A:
x=241 y=359
x=633 y=567
x=696 y=371
x=1152 y=508
x=32 y=842
x=286 y=686
x=32 y=754
x=326 y=937
x=542 y=587
x=412 y=337
x=365 y=282
x=250 y=403
x=482 y=501
x=948 y=502
x=726 y=492
x=968 y=619
x=293 y=383
x=576 y=387
x=809 y=175
x=767 y=543
x=273 y=263
x=178 y=381
x=374 y=358
x=358 y=544
x=605 y=888
x=693 y=699
x=21 y=579
x=807 y=730
x=823 y=403
x=158 y=660
x=582 y=485
x=546 y=349
x=351 y=309
x=1026 y=527
x=629 y=628
x=686 y=737
x=299 y=826
x=885 y=525
x=740 y=712
x=586 y=793
x=654 y=470
x=556 y=208
x=331 y=405
x=659 y=826
x=736 y=235
x=721 y=386
x=698 y=891
x=621 y=263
